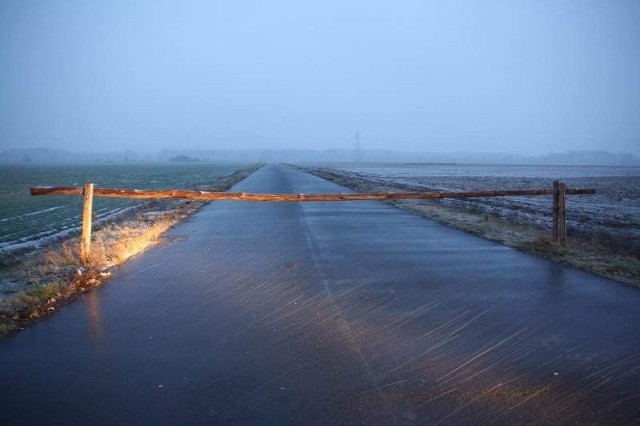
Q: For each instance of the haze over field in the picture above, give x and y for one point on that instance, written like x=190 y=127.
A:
x=525 y=77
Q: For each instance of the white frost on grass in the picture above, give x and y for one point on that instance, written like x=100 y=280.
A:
x=44 y=238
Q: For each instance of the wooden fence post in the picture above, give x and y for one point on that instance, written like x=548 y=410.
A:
x=562 y=214
x=87 y=211
x=554 y=211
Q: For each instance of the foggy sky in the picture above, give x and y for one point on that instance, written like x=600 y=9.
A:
x=439 y=76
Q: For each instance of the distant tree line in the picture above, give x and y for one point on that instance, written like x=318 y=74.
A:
x=39 y=156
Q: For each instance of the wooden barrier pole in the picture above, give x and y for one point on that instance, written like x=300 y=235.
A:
x=87 y=212
x=559 y=192
x=562 y=214
x=240 y=196
x=554 y=211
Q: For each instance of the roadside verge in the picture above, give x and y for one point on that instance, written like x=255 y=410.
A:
x=33 y=286
x=583 y=252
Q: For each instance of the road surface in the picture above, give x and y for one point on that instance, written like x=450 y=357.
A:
x=323 y=313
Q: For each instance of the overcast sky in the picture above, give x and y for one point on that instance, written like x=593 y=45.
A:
x=439 y=76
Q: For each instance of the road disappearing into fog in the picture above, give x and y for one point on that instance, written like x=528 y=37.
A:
x=322 y=313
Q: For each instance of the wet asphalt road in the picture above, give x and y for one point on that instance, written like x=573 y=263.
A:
x=324 y=313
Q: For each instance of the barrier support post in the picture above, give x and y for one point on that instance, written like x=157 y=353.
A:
x=87 y=212
x=562 y=214
x=554 y=211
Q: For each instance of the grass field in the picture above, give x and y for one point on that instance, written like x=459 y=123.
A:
x=27 y=221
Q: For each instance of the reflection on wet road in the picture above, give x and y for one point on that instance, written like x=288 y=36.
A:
x=93 y=312
x=330 y=313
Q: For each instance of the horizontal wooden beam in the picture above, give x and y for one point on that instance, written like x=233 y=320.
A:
x=57 y=190
x=241 y=196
